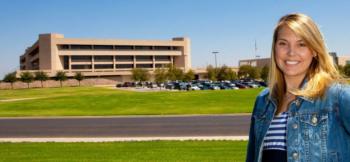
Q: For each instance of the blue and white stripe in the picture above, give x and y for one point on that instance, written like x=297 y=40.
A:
x=275 y=138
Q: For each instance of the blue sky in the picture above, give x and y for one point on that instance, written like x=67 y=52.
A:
x=227 y=26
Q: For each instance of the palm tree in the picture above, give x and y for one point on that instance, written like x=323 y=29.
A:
x=79 y=77
x=42 y=76
x=27 y=77
x=61 y=76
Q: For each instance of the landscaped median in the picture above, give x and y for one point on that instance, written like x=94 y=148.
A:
x=155 y=151
x=100 y=101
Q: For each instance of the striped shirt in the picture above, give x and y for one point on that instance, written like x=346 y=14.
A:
x=275 y=138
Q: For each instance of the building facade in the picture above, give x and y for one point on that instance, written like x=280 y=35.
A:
x=261 y=62
x=104 y=58
x=258 y=62
x=344 y=60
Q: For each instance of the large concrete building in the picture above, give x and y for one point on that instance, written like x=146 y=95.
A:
x=104 y=58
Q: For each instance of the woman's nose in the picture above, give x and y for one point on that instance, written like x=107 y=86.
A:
x=291 y=51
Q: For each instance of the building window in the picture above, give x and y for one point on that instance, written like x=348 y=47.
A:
x=34 y=52
x=63 y=47
x=124 y=47
x=124 y=66
x=177 y=48
x=162 y=65
x=81 y=47
x=103 y=47
x=103 y=66
x=66 y=62
x=162 y=48
x=124 y=58
x=81 y=67
x=81 y=58
x=23 y=59
x=144 y=65
x=143 y=47
x=162 y=58
x=103 y=58
x=144 y=58
x=35 y=64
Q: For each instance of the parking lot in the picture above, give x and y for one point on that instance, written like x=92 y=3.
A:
x=192 y=85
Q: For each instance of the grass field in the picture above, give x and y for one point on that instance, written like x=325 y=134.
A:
x=98 y=101
x=152 y=151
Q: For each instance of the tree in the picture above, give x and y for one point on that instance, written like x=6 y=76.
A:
x=341 y=69
x=60 y=76
x=27 y=77
x=211 y=72
x=160 y=76
x=42 y=76
x=10 y=78
x=79 y=76
x=232 y=75
x=189 y=75
x=247 y=71
x=222 y=73
x=174 y=73
x=346 y=70
x=264 y=73
x=139 y=74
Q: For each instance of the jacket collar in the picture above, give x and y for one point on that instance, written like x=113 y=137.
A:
x=303 y=85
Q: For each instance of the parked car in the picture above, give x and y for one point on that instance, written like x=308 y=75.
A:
x=241 y=86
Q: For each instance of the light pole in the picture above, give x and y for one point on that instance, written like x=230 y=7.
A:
x=216 y=64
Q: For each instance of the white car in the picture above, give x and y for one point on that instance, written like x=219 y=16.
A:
x=194 y=87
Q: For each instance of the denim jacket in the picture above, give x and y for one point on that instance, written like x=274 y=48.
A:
x=317 y=130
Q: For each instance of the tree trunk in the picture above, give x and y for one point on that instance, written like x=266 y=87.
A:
x=61 y=83
x=42 y=84
x=28 y=85
x=79 y=83
x=11 y=85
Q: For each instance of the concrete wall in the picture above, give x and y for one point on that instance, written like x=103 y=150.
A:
x=53 y=83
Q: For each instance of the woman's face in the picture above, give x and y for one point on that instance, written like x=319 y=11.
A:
x=292 y=55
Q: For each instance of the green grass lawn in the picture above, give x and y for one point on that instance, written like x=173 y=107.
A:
x=151 y=151
x=97 y=101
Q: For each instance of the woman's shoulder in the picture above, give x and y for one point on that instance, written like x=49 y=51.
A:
x=263 y=96
x=264 y=93
x=341 y=90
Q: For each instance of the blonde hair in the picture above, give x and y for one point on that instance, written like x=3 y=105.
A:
x=322 y=71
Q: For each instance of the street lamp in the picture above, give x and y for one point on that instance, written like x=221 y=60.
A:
x=216 y=64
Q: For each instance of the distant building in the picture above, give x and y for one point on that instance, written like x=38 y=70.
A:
x=344 y=60
x=258 y=62
x=104 y=58
x=261 y=62
x=201 y=73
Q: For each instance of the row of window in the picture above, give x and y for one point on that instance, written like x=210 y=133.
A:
x=34 y=52
x=118 y=58
x=117 y=47
x=117 y=66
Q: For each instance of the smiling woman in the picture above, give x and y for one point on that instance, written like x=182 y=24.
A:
x=305 y=113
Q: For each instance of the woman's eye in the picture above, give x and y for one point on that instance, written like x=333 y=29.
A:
x=281 y=43
x=302 y=44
